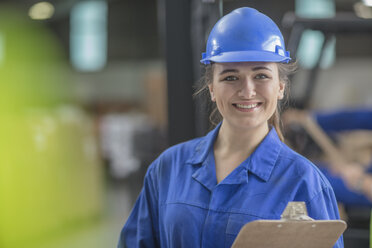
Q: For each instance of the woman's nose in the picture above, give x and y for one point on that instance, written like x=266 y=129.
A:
x=247 y=89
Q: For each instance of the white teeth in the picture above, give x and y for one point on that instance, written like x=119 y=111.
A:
x=247 y=106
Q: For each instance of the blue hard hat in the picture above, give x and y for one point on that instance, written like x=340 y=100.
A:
x=245 y=35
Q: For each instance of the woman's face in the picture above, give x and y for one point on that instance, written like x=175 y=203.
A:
x=246 y=93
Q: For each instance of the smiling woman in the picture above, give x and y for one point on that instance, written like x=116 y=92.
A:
x=200 y=193
x=282 y=70
x=246 y=94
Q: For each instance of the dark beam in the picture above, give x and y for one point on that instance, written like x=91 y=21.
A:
x=180 y=76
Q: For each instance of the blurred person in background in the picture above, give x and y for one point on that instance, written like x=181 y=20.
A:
x=350 y=132
x=200 y=193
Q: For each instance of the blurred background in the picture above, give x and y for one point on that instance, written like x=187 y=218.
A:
x=93 y=90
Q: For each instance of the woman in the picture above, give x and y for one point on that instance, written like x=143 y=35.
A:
x=201 y=192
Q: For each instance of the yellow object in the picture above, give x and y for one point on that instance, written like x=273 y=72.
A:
x=50 y=173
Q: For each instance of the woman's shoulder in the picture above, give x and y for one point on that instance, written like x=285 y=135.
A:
x=183 y=149
x=177 y=155
x=302 y=167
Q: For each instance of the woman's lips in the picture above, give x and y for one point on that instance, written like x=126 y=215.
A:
x=247 y=107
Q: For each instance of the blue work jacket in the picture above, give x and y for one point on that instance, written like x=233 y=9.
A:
x=181 y=204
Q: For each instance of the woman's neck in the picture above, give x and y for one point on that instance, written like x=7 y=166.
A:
x=231 y=140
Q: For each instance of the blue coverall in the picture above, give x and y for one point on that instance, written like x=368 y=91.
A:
x=181 y=204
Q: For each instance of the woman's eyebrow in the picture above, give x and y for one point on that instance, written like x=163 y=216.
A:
x=228 y=71
x=261 y=68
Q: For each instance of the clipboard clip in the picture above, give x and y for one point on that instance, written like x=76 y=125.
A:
x=295 y=211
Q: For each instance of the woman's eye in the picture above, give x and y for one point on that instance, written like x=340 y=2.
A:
x=230 y=78
x=261 y=76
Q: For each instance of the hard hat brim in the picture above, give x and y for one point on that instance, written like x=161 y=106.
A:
x=246 y=56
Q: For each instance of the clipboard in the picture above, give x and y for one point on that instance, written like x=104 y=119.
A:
x=292 y=231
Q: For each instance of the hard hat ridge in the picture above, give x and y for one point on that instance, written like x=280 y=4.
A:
x=245 y=35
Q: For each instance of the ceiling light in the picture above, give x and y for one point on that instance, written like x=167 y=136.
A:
x=362 y=11
x=367 y=2
x=41 y=11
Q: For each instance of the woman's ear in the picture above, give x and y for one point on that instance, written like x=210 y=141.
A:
x=210 y=87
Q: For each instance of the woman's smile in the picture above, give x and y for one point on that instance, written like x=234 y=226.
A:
x=247 y=107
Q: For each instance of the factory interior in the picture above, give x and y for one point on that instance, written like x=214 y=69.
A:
x=92 y=91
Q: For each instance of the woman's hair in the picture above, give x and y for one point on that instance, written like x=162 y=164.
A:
x=202 y=91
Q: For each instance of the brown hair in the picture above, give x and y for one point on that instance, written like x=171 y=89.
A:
x=284 y=69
